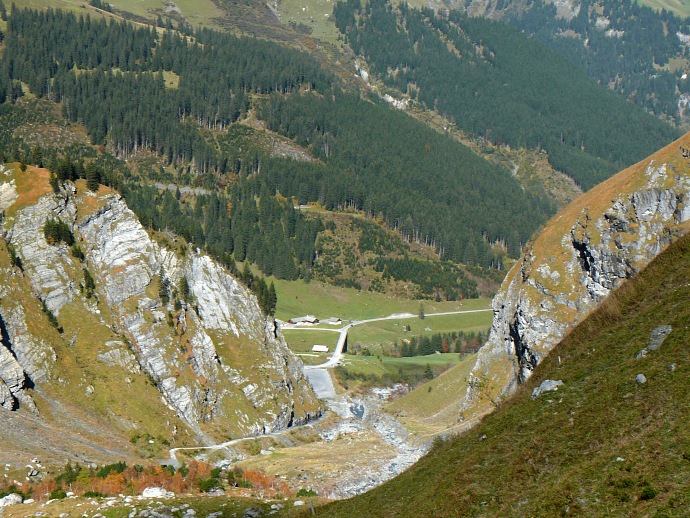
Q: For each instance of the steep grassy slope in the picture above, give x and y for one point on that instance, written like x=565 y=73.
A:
x=603 y=444
x=432 y=408
x=588 y=249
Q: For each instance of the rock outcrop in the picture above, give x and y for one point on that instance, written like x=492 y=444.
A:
x=587 y=250
x=215 y=359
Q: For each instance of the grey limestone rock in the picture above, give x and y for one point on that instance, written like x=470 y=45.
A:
x=8 y=194
x=253 y=512
x=12 y=378
x=546 y=386
x=122 y=250
x=7 y=400
x=546 y=294
x=657 y=337
x=120 y=358
x=640 y=379
x=11 y=499
x=182 y=360
x=45 y=264
x=34 y=355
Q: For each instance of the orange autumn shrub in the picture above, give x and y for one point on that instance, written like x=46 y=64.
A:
x=114 y=484
x=259 y=480
x=197 y=470
x=178 y=484
x=43 y=489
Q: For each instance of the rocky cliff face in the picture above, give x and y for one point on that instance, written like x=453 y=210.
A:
x=604 y=237
x=215 y=361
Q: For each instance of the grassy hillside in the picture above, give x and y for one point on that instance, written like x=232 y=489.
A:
x=297 y=298
x=603 y=444
x=432 y=408
x=679 y=7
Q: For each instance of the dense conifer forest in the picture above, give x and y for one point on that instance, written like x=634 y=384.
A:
x=621 y=44
x=111 y=77
x=495 y=83
x=182 y=95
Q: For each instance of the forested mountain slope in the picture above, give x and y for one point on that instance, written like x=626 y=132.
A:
x=495 y=83
x=367 y=156
x=189 y=107
x=633 y=49
x=612 y=439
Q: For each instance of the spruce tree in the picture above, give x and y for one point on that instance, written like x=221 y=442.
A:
x=92 y=177
x=163 y=287
x=272 y=299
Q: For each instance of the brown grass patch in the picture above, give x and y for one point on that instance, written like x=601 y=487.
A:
x=90 y=204
x=597 y=200
x=31 y=184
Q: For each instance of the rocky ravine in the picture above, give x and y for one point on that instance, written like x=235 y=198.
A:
x=604 y=237
x=214 y=359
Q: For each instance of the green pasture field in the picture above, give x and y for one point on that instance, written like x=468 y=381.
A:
x=302 y=340
x=297 y=298
x=378 y=336
x=379 y=365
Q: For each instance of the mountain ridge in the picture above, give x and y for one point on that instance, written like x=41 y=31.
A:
x=178 y=323
x=589 y=248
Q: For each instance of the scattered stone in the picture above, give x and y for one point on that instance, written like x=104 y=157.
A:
x=657 y=337
x=640 y=378
x=672 y=367
x=620 y=459
x=10 y=499
x=546 y=386
x=298 y=502
x=253 y=512
x=157 y=492
x=217 y=514
x=277 y=507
